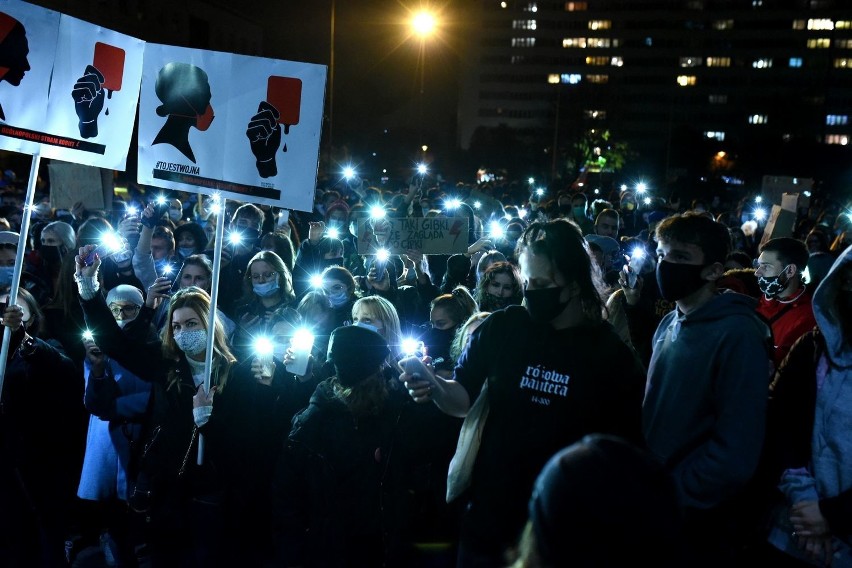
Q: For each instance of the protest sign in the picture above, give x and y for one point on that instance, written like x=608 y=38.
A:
x=429 y=235
x=247 y=128
x=70 y=88
x=72 y=183
x=782 y=219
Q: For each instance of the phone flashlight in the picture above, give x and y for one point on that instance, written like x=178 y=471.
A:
x=316 y=281
x=382 y=255
x=348 y=172
x=131 y=211
x=647 y=201
x=422 y=169
x=88 y=336
x=412 y=347
x=539 y=192
x=760 y=213
x=758 y=199
x=263 y=349
x=235 y=238
x=378 y=212
x=112 y=242
x=477 y=205
x=333 y=233
x=522 y=213
x=496 y=230
x=300 y=346
x=453 y=203
x=167 y=269
x=161 y=200
x=641 y=187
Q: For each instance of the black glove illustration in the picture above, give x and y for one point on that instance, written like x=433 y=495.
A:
x=264 y=134
x=88 y=95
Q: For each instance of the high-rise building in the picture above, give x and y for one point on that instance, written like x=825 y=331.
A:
x=665 y=76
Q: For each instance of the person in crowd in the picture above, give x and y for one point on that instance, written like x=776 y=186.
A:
x=189 y=240
x=526 y=356
x=315 y=310
x=319 y=251
x=810 y=410
x=57 y=240
x=499 y=287
x=163 y=250
x=462 y=338
x=342 y=292
x=486 y=260
x=742 y=281
x=242 y=243
x=118 y=404
x=279 y=243
x=704 y=412
x=448 y=313
x=268 y=289
x=738 y=260
x=346 y=484
x=602 y=501
x=376 y=313
x=607 y=223
x=42 y=436
x=190 y=507
x=786 y=299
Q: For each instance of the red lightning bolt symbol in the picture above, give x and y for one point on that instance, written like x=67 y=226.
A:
x=456 y=230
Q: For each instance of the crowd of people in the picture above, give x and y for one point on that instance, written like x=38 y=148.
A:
x=645 y=380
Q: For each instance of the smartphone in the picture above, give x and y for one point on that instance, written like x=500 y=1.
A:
x=90 y=258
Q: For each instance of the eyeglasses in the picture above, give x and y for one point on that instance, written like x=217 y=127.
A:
x=263 y=276
x=126 y=311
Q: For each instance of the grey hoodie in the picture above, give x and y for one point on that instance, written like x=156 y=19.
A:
x=705 y=403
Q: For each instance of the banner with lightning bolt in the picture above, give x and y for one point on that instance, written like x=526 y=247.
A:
x=429 y=235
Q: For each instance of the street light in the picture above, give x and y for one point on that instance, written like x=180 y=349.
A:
x=424 y=23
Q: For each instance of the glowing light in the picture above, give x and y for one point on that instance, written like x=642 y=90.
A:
x=411 y=346
x=216 y=208
x=496 y=230
x=378 y=212
x=638 y=252
x=422 y=169
x=316 y=281
x=424 y=24
x=641 y=187
x=760 y=213
x=647 y=201
x=531 y=180
x=623 y=187
x=303 y=340
x=235 y=238
x=161 y=200
x=758 y=199
x=807 y=193
x=132 y=210
x=382 y=255
x=597 y=192
x=522 y=213
x=112 y=242
x=167 y=269
x=333 y=233
x=88 y=335
x=454 y=203
x=477 y=205
x=263 y=346
x=348 y=172
x=539 y=192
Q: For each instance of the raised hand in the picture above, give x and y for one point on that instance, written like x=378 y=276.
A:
x=88 y=95
x=264 y=134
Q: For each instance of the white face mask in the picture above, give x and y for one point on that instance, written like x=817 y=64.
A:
x=192 y=342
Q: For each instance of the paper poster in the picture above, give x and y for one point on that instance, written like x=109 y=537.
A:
x=247 y=128
x=429 y=235
x=68 y=89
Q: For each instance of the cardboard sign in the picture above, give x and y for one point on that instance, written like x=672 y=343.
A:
x=72 y=183
x=247 y=128
x=70 y=88
x=782 y=219
x=429 y=235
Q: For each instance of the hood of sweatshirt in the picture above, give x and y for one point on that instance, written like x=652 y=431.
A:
x=832 y=305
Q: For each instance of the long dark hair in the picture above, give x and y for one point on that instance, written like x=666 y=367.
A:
x=561 y=241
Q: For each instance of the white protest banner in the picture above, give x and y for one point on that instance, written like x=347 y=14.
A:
x=429 y=235
x=247 y=128
x=73 y=96
x=71 y=183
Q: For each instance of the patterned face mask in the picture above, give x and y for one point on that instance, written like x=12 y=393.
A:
x=192 y=342
x=771 y=286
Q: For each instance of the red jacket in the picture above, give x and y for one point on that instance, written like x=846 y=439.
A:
x=788 y=320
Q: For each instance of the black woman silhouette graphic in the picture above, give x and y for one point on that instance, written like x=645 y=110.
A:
x=13 y=52
x=185 y=93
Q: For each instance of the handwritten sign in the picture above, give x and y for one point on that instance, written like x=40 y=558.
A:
x=429 y=235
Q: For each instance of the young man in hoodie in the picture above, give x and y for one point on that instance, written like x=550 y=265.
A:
x=705 y=403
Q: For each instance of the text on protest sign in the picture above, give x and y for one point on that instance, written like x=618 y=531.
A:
x=429 y=235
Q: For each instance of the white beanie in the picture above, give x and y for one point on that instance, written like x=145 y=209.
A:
x=125 y=293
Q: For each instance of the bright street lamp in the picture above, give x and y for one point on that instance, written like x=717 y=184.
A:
x=424 y=24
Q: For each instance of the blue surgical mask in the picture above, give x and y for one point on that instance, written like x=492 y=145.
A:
x=186 y=251
x=266 y=289
x=338 y=300
x=6 y=273
x=175 y=214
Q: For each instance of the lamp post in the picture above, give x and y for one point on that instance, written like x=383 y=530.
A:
x=424 y=24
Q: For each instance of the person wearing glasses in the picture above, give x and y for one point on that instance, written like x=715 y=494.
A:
x=267 y=294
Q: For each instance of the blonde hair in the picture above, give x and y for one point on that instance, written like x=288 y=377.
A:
x=386 y=312
x=463 y=334
x=198 y=301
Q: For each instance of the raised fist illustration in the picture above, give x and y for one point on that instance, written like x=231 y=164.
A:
x=264 y=134
x=88 y=95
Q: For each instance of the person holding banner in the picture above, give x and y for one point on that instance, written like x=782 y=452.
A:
x=243 y=417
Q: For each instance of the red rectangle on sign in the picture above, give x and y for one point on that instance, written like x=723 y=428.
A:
x=109 y=60
x=285 y=94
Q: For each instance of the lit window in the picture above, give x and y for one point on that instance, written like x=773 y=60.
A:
x=598 y=42
x=574 y=42
x=718 y=99
x=715 y=135
x=843 y=43
x=523 y=24
x=517 y=59
x=600 y=24
x=595 y=114
x=718 y=62
x=523 y=42
x=799 y=24
x=576 y=6
x=686 y=80
x=841 y=139
x=821 y=24
x=531 y=7
x=602 y=60
x=571 y=78
x=723 y=24
x=758 y=119
x=762 y=63
x=690 y=61
x=617 y=61
x=843 y=25
x=836 y=119
x=795 y=62
x=843 y=63
x=819 y=43
x=597 y=78
x=553 y=78
x=756 y=3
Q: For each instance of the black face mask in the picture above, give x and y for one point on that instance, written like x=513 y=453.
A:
x=677 y=281
x=544 y=304
x=439 y=342
x=51 y=254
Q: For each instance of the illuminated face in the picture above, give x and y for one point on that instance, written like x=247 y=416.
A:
x=607 y=227
x=363 y=314
x=501 y=285
x=193 y=275
x=441 y=319
x=185 y=319
x=186 y=240
x=160 y=248
x=7 y=256
x=261 y=272
x=49 y=239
